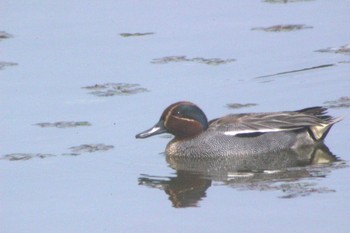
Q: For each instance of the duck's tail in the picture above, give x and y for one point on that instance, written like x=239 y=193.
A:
x=325 y=122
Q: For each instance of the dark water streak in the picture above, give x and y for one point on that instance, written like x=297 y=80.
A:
x=295 y=71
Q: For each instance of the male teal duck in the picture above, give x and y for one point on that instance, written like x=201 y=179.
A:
x=239 y=134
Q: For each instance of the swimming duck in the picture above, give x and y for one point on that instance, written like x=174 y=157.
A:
x=239 y=134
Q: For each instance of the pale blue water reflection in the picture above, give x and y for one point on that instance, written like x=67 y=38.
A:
x=57 y=48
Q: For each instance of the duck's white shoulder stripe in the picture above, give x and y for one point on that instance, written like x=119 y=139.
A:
x=247 y=131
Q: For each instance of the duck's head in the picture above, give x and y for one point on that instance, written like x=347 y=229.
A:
x=182 y=119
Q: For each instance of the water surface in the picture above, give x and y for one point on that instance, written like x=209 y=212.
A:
x=79 y=80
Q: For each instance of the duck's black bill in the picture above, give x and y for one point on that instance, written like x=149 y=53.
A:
x=156 y=129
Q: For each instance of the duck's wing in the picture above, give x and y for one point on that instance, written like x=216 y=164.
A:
x=314 y=119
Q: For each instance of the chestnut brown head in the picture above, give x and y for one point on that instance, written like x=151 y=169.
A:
x=182 y=119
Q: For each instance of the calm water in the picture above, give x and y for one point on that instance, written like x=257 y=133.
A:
x=80 y=79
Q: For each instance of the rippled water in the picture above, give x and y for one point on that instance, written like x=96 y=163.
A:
x=80 y=79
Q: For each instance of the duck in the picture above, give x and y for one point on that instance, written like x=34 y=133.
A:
x=239 y=135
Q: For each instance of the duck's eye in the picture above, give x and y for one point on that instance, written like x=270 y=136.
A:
x=178 y=113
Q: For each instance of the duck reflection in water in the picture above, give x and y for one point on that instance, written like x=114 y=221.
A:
x=246 y=151
x=186 y=189
x=292 y=172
